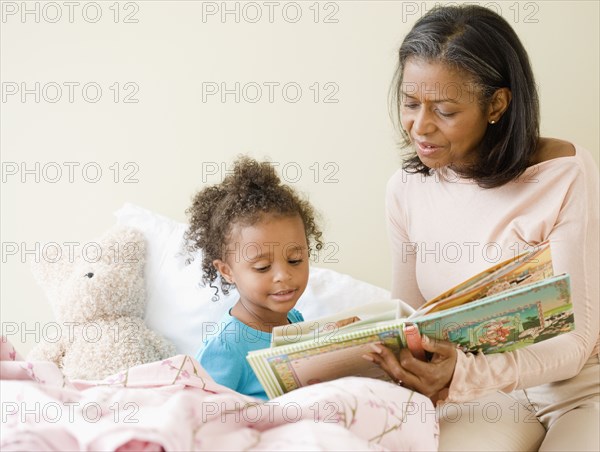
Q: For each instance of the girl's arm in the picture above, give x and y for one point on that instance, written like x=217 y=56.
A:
x=222 y=363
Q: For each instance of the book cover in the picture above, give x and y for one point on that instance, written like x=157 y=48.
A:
x=508 y=320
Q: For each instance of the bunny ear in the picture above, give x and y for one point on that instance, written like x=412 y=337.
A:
x=51 y=267
x=136 y=238
x=125 y=242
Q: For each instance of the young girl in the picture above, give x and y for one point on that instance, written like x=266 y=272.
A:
x=255 y=234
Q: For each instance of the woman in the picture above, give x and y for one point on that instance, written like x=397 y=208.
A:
x=481 y=186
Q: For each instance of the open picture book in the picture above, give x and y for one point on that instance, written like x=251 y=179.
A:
x=511 y=305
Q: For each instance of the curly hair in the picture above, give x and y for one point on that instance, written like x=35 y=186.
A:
x=251 y=191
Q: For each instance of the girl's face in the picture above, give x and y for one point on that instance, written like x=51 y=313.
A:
x=268 y=263
x=441 y=114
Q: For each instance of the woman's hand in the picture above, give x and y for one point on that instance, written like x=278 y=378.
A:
x=428 y=378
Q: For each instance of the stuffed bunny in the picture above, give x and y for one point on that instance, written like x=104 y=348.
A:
x=98 y=300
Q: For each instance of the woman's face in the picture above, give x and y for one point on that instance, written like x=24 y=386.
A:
x=441 y=113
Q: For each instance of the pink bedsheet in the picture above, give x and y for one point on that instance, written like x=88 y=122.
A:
x=174 y=405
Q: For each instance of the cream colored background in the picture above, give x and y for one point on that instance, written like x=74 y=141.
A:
x=170 y=132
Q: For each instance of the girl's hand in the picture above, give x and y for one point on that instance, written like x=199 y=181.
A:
x=428 y=378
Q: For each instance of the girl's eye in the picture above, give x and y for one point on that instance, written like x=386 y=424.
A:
x=411 y=106
x=296 y=261
x=446 y=115
x=262 y=269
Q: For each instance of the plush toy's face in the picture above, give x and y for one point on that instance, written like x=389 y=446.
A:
x=105 y=281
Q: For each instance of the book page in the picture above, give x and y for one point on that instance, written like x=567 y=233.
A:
x=527 y=268
x=325 y=327
x=329 y=360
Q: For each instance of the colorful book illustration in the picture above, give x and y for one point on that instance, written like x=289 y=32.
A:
x=515 y=304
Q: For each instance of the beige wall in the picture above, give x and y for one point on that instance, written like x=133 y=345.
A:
x=334 y=138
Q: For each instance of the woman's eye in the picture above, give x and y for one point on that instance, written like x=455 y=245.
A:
x=296 y=261
x=446 y=115
x=411 y=106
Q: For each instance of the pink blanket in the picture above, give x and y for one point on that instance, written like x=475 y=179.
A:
x=174 y=405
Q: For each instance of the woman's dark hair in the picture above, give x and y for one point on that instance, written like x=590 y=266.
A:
x=480 y=43
x=243 y=198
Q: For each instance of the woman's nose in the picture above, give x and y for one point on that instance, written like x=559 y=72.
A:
x=423 y=122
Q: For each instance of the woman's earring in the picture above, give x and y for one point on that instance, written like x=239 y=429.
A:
x=492 y=122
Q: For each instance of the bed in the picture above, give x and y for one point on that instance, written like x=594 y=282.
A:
x=173 y=404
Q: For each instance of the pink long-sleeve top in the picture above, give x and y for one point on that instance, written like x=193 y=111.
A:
x=445 y=229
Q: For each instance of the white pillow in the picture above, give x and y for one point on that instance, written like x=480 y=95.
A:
x=183 y=311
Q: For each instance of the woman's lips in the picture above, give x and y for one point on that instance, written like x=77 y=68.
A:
x=426 y=149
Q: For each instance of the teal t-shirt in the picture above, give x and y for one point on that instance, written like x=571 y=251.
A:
x=224 y=355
